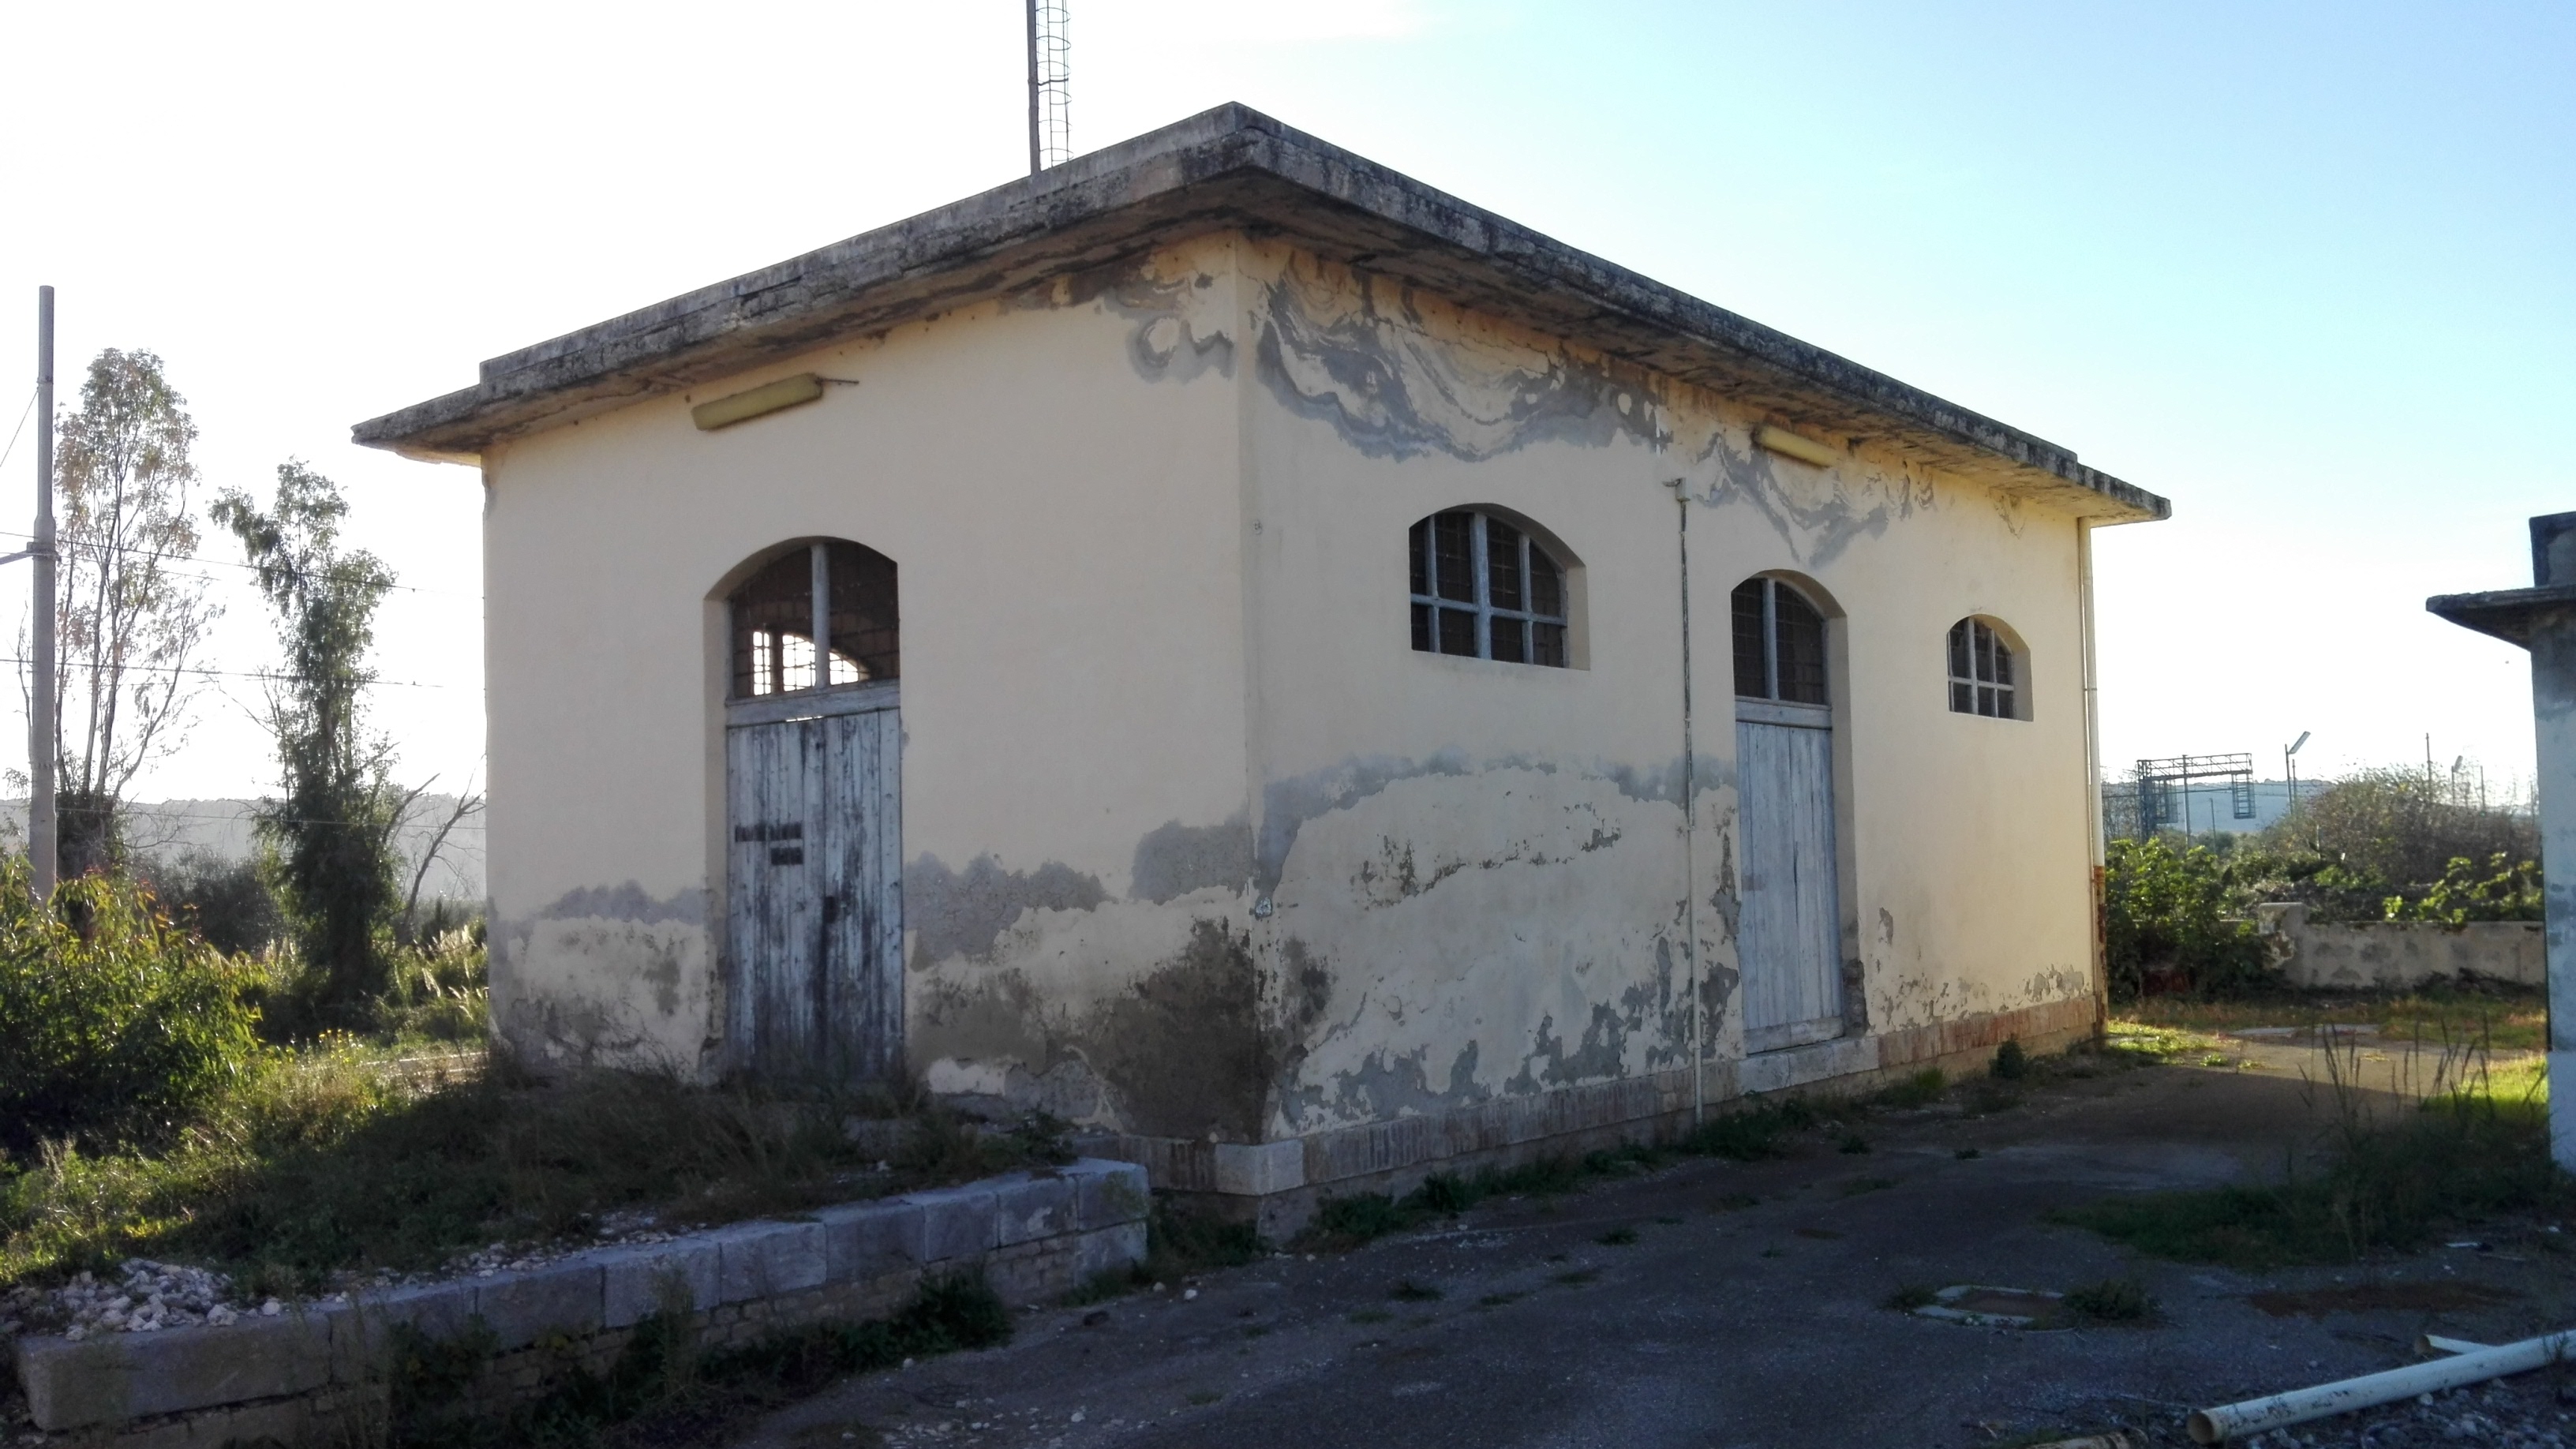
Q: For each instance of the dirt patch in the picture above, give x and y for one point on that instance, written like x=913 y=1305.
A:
x=2376 y=1297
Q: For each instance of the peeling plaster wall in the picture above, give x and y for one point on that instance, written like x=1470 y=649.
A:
x=1197 y=846
x=1479 y=868
x=1055 y=477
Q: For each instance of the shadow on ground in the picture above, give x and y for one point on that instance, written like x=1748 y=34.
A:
x=1721 y=1304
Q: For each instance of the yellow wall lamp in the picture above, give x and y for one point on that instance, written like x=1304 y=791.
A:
x=761 y=401
x=1785 y=443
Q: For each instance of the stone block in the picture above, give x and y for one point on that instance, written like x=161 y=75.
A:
x=1258 y=1169
x=1029 y=1207
x=957 y=1222
x=521 y=1307
x=361 y=1335
x=1109 y=1192
x=127 y=1375
x=1797 y=1066
x=633 y=1279
x=862 y=1240
x=1105 y=1249
x=760 y=1260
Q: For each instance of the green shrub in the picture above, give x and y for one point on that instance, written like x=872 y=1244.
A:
x=225 y=901
x=2166 y=912
x=2503 y=890
x=115 y=1025
x=2113 y=1300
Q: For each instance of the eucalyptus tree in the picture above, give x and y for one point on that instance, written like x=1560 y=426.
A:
x=131 y=625
x=332 y=823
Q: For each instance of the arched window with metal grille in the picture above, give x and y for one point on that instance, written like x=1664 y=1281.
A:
x=1987 y=671
x=1482 y=587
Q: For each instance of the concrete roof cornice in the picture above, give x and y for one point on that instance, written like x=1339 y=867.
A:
x=1230 y=167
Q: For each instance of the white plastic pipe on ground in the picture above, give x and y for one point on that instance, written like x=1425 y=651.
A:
x=2217 y=1426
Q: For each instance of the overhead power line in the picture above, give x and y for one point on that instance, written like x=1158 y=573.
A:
x=231 y=564
x=256 y=674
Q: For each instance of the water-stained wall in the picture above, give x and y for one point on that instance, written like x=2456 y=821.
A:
x=1197 y=845
x=1484 y=865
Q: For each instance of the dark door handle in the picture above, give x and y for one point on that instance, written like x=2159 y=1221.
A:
x=831 y=909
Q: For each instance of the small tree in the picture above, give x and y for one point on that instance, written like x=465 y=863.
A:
x=332 y=824
x=129 y=625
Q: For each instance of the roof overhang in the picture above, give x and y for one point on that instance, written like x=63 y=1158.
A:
x=2508 y=614
x=1228 y=168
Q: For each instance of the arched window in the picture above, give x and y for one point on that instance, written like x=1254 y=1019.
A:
x=1779 y=644
x=1985 y=672
x=1485 y=589
x=842 y=593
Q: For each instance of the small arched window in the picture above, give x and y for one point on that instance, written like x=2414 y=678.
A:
x=1985 y=672
x=841 y=593
x=1487 y=590
x=1779 y=644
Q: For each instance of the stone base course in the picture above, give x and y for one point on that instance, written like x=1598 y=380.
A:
x=315 y=1374
x=1277 y=1185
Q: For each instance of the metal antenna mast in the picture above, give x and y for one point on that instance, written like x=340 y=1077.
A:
x=1050 y=87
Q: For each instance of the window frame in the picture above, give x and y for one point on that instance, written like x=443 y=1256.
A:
x=1996 y=684
x=1423 y=609
x=769 y=660
x=1771 y=651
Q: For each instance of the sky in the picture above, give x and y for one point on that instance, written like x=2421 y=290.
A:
x=2303 y=269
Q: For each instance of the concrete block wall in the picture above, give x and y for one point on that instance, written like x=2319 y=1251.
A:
x=2400 y=955
x=316 y=1374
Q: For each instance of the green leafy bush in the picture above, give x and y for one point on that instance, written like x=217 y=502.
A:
x=2504 y=890
x=115 y=1025
x=2166 y=914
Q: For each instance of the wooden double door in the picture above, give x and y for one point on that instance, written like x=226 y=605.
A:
x=814 y=905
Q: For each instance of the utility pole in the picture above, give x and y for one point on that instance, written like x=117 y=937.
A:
x=42 y=863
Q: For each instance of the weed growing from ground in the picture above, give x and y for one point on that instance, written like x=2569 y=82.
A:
x=1617 y=1238
x=1409 y=1291
x=1910 y=1297
x=2113 y=1300
x=2011 y=1062
x=1577 y=1277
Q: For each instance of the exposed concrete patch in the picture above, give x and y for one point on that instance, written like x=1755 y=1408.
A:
x=627 y=975
x=1175 y=859
x=1483 y=933
x=954 y=913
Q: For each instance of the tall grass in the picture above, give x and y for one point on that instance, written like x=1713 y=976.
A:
x=2459 y=1139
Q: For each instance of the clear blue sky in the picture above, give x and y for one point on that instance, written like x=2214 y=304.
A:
x=2303 y=269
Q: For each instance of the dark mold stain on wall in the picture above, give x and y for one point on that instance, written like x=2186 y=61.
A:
x=1184 y=1048
x=1179 y=1053
x=1377 y=375
x=1173 y=860
x=965 y=912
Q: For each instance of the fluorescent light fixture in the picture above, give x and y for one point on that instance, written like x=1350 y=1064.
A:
x=761 y=401
x=1789 y=445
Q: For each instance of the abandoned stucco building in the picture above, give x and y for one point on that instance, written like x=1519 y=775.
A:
x=1319 y=680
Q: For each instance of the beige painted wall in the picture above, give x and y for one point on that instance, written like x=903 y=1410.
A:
x=1486 y=859
x=1199 y=847
x=1058 y=496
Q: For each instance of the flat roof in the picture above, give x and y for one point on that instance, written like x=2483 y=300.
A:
x=1227 y=168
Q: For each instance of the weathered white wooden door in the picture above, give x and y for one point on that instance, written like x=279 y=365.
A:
x=815 y=872
x=1790 y=930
